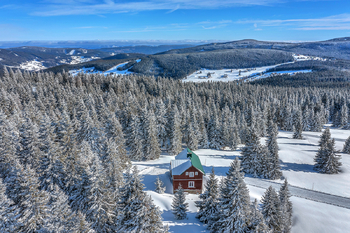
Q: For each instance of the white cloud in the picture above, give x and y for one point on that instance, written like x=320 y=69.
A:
x=336 y=22
x=88 y=7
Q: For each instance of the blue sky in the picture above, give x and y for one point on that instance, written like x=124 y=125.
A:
x=277 y=20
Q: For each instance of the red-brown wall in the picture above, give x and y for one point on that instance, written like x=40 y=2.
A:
x=183 y=179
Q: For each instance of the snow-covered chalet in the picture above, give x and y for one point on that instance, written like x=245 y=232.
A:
x=187 y=170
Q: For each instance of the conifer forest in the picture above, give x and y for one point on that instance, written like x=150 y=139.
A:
x=68 y=145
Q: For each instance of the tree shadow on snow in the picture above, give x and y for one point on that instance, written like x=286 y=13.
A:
x=150 y=179
x=297 y=167
x=219 y=171
x=298 y=144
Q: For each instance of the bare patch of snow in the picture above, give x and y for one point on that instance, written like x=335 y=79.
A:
x=32 y=65
x=72 y=52
x=299 y=57
x=113 y=70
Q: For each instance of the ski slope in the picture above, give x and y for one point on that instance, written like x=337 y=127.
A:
x=320 y=201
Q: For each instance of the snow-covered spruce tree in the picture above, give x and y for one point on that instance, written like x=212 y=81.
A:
x=254 y=155
x=208 y=209
x=273 y=168
x=346 y=148
x=7 y=146
x=28 y=151
x=81 y=225
x=343 y=116
x=65 y=138
x=8 y=211
x=203 y=139
x=79 y=190
x=135 y=139
x=161 y=122
x=257 y=222
x=100 y=212
x=112 y=164
x=174 y=133
x=326 y=159
x=286 y=207
x=62 y=218
x=225 y=126
x=34 y=210
x=159 y=186
x=297 y=124
x=151 y=149
x=153 y=219
x=192 y=138
x=234 y=202
x=179 y=206
x=214 y=132
x=51 y=169
x=114 y=132
x=135 y=207
x=271 y=209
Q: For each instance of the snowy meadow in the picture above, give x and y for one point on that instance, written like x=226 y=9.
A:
x=297 y=161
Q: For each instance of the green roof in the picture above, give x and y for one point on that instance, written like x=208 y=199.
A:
x=196 y=162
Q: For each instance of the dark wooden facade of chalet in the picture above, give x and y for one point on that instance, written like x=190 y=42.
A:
x=189 y=184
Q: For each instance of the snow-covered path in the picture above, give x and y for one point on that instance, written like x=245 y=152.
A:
x=302 y=192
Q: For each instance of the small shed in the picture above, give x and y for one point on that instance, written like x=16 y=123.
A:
x=187 y=169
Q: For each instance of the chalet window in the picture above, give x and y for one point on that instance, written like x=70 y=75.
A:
x=186 y=173
x=191 y=174
x=196 y=173
x=191 y=184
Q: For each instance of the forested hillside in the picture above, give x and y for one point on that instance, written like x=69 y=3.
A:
x=67 y=142
x=336 y=48
x=180 y=65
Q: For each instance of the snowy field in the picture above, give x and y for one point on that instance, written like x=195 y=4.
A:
x=227 y=75
x=297 y=165
x=113 y=70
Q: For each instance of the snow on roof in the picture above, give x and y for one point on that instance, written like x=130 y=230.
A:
x=178 y=166
x=183 y=155
x=184 y=160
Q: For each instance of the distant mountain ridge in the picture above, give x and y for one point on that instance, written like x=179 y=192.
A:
x=178 y=61
x=17 y=57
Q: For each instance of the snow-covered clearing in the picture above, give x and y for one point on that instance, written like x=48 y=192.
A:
x=226 y=75
x=32 y=66
x=297 y=165
x=72 y=52
x=299 y=57
x=113 y=70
